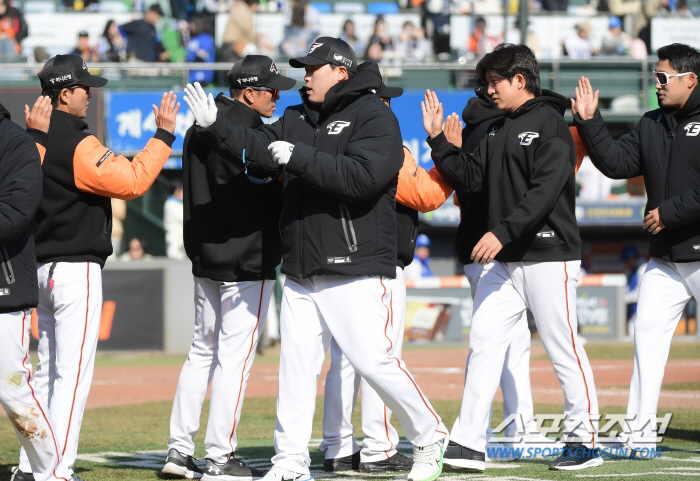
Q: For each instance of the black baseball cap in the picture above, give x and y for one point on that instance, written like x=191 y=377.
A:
x=328 y=50
x=257 y=71
x=64 y=71
x=387 y=92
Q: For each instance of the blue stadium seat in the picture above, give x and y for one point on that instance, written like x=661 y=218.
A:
x=382 y=8
x=349 y=7
x=322 y=7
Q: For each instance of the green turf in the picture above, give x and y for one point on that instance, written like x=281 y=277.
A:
x=144 y=427
x=682 y=386
x=615 y=350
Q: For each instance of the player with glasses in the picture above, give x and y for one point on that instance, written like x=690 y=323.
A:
x=663 y=148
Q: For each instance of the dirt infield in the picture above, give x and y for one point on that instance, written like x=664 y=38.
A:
x=439 y=372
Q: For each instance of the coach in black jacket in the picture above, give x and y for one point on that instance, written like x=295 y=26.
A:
x=664 y=149
x=341 y=152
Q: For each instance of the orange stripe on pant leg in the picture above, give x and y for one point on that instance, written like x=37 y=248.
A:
x=29 y=378
x=250 y=350
x=573 y=345
x=80 y=362
x=386 y=325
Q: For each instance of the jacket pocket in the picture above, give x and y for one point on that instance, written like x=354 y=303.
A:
x=348 y=229
x=7 y=266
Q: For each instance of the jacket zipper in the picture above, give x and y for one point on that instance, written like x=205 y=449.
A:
x=345 y=218
x=7 y=266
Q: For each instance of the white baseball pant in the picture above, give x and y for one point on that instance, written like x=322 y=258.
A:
x=342 y=384
x=505 y=290
x=69 y=311
x=666 y=287
x=229 y=320
x=24 y=404
x=355 y=312
x=515 y=378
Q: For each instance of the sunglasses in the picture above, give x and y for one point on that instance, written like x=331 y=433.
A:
x=275 y=92
x=87 y=89
x=662 y=78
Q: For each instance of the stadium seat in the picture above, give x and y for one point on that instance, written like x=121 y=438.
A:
x=113 y=7
x=382 y=8
x=39 y=6
x=349 y=7
x=322 y=7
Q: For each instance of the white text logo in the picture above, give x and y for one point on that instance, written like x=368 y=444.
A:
x=692 y=129
x=336 y=127
x=62 y=78
x=526 y=138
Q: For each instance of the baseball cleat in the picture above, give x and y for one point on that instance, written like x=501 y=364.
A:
x=577 y=456
x=277 y=473
x=398 y=462
x=19 y=475
x=459 y=457
x=232 y=470
x=346 y=463
x=536 y=443
x=180 y=466
x=498 y=453
x=427 y=461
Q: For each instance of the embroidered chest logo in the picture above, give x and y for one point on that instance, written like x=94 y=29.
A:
x=493 y=130
x=334 y=128
x=692 y=129
x=526 y=138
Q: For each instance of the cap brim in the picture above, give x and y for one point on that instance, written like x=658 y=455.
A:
x=94 y=81
x=390 y=92
x=301 y=62
x=282 y=83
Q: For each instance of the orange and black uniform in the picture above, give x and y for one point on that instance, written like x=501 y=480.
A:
x=80 y=175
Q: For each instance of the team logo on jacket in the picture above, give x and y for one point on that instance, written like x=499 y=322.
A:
x=547 y=233
x=692 y=129
x=314 y=46
x=526 y=138
x=273 y=68
x=493 y=130
x=4 y=291
x=339 y=260
x=334 y=128
x=696 y=247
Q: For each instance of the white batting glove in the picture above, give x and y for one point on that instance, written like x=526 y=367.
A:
x=281 y=151
x=203 y=108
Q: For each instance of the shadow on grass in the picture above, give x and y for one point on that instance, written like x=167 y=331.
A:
x=674 y=434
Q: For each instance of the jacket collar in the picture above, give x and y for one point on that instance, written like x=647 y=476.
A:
x=556 y=101
x=237 y=111
x=64 y=118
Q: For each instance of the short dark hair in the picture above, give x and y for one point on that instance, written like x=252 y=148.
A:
x=682 y=57
x=53 y=94
x=236 y=93
x=480 y=20
x=334 y=66
x=508 y=60
x=156 y=9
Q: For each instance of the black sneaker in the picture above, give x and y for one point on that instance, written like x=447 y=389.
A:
x=75 y=477
x=459 y=457
x=577 y=456
x=398 y=462
x=180 y=466
x=19 y=475
x=346 y=463
x=232 y=470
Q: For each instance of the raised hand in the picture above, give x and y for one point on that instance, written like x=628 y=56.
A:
x=203 y=108
x=453 y=130
x=586 y=102
x=40 y=116
x=166 y=115
x=433 y=116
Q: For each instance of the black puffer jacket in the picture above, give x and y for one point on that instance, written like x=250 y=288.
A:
x=664 y=149
x=339 y=215
x=20 y=195
x=526 y=165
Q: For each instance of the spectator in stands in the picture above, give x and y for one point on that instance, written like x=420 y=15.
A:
x=615 y=41
x=118 y=216
x=375 y=52
x=420 y=267
x=642 y=22
x=39 y=55
x=142 y=39
x=682 y=9
x=239 y=37
x=513 y=36
x=478 y=44
x=303 y=26
x=83 y=49
x=578 y=45
x=173 y=218
x=13 y=29
x=349 y=37
x=180 y=9
x=412 y=45
x=555 y=5
x=622 y=8
x=381 y=35
x=138 y=251
x=112 y=47
x=201 y=48
x=436 y=17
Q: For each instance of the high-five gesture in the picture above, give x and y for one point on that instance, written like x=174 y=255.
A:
x=453 y=130
x=40 y=116
x=433 y=116
x=203 y=108
x=586 y=102
x=167 y=113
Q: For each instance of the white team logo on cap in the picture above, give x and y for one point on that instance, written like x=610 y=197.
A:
x=315 y=46
x=334 y=128
x=526 y=138
x=692 y=129
x=273 y=68
x=345 y=61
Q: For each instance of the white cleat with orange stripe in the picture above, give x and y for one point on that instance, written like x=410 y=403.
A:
x=427 y=461
x=278 y=473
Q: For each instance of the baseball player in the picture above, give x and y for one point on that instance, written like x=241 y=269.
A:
x=379 y=452
x=20 y=194
x=663 y=148
x=232 y=238
x=73 y=238
x=341 y=148
x=525 y=165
